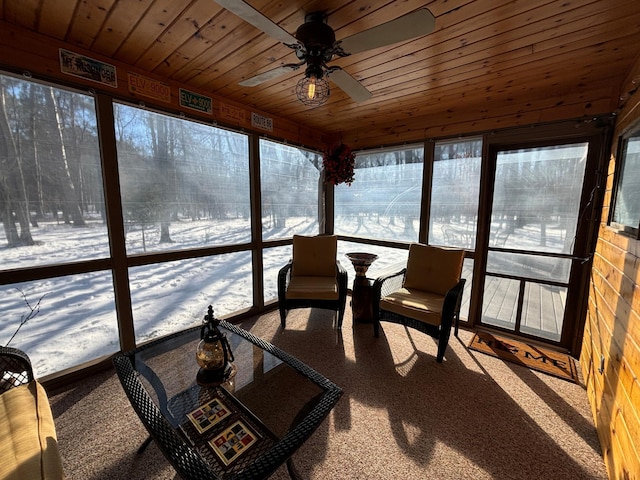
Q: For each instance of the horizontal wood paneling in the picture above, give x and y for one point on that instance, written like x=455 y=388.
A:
x=488 y=64
x=612 y=329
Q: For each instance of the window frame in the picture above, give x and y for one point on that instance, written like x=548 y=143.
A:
x=632 y=231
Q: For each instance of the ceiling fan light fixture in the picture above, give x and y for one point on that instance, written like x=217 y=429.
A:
x=313 y=89
x=315 y=45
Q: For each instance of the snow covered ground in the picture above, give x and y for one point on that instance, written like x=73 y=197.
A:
x=76 y=322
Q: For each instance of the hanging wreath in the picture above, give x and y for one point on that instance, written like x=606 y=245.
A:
x=338 y=164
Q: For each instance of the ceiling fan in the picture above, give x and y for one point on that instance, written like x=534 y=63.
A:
x=315 y=45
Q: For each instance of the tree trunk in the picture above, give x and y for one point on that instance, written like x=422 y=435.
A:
x=160 y=134
x=71 y=205
x=10 y=230
x=14 y=187
x=36 y=154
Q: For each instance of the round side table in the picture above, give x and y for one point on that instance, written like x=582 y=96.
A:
x=362 y=293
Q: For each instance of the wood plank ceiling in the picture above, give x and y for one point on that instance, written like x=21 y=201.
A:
x=488 y=63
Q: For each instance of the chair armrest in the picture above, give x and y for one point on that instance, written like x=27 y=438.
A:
x=451 y=306
x=284 y=277
x=15 y=368
x=386 y=284
x=342 y=274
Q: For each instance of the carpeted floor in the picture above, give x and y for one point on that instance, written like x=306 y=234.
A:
x=402 y=414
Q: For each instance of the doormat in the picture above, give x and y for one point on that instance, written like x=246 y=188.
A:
x=532 y=356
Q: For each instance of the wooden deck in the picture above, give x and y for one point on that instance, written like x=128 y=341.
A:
x=542 y=310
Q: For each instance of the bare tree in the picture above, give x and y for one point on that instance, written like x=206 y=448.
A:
x=159 y=129
x=68 y=190
x=13 y=194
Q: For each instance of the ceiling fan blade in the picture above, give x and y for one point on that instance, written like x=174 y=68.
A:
x=258 y=20
x=268 y=75
x=412 y=25
x=349 y=85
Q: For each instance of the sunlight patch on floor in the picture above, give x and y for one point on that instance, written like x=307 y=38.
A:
x=547 y=406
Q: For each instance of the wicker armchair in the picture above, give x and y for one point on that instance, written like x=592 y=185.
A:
x=313 y=278
x=15 y=368
x=28 y=440
x=426 y=295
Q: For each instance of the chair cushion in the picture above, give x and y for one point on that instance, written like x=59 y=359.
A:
x=433 y=269
x=312 y=288
x=315 y=256
x=423 y=306
x=28 y=442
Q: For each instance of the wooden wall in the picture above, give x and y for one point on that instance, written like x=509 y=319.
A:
x=612 y=329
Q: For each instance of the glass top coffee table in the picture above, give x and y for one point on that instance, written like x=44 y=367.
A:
x=245 y=428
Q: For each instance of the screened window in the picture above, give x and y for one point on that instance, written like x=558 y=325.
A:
x=384 y=199
x=52 y=214
x=60 y=322
x=537 y=198
x=455 y=190
x=171 y=296
x=289 y=178
x=273 y=259
x=389 y=259
x=626 y=211
x=183 y=184
x=51 y=196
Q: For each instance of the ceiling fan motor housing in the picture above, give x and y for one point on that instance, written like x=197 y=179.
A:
x=317 y=36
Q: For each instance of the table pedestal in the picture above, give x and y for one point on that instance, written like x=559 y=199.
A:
x=362 y=300
x=362 y=293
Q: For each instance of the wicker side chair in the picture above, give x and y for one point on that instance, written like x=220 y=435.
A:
x=425 y=295
x=313 y=278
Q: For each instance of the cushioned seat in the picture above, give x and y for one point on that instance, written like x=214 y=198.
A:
x=314 y=278
x=324 y=288
x=28 y=441
x=423 y=306
x=426 y=295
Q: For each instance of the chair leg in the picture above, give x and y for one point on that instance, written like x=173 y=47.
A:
x=340 y=317
x=144 y=445
x=376 y=328
x=443 y=341
x=283 y=316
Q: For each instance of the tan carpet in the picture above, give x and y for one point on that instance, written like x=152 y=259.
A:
x=402 y=414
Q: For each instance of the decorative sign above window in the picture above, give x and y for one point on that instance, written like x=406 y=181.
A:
x=261 y=122
x=149 y=87
x=195 y=101
x=88 y=68
x=232 y=113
